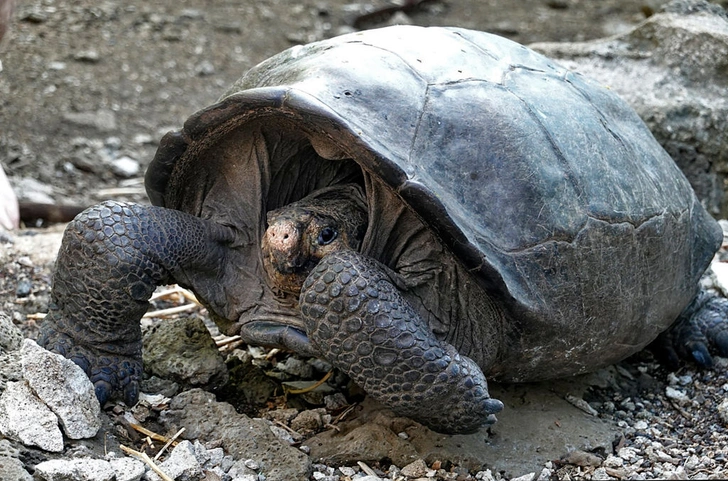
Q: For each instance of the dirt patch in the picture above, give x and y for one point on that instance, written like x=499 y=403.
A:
x=88 y=88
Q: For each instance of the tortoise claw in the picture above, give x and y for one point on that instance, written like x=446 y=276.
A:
x=103 y=391
x=702 y=356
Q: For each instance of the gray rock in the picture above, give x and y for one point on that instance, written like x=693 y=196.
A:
x=8 y=450
x=182 y=350
x=10 y=340
x=335 y=402
x=10 y=335
x=12 y=469
x=64 y=387
x=671 y=69
x=285 y=435
x=127 y=469
x=10 y=368
x=206 y=420
x=182 y=463
x=296 y=367
x=83 y=469
x=208 y=458
x=677 y=395
x=308 y=421
x=27 y=419
x=241 y=472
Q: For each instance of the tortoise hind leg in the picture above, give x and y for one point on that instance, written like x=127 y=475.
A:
x=359 y=321
x=702 y=327
x=112 y=257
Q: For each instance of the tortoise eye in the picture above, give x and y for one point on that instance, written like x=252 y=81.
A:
x=327 y=236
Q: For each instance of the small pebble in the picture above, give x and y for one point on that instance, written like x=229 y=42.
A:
x=723 y=411
x=24 y=288
x=89 y=56
x=416 y=469
x=347 y=471
x=125 y=167
x=677 y=395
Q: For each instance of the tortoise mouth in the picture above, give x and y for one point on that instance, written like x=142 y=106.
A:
x=272 y=333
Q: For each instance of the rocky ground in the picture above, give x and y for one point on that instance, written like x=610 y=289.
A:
x=87 y=90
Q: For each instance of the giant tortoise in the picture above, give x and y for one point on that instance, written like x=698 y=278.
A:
x=421 y=207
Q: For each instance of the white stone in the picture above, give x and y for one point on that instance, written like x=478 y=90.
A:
x=84 y=469
x=676 y=395
x=720 y=276
x=347 y=471
x=723 y=411
x=64 y=387
x=25 y=418
x=182 y=463
x=125 y=167
x=525 y=477
x=613 y=461
x=641 y=425
x=545 y=475
x=486 y=475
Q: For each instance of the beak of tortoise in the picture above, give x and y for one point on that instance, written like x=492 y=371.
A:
x=272 y=333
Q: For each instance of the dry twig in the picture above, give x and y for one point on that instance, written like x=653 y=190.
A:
x=169 y=443
x=175 y=289
x=365 y=467
x=172 y=310
x=146 y=459
x=287 y=428
x=152 y=434
x=346 y=412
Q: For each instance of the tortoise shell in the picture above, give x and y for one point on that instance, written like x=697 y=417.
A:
x=543 y=189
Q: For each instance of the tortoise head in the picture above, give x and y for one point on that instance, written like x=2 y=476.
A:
x=299 y=235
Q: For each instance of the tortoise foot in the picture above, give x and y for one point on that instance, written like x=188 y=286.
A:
x=112 y=257
x=112 y=374
x=701 y=329
x=358 y=320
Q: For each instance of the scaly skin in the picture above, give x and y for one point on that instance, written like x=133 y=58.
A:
x=112 y=258
x=358 y=320
x=702 y=327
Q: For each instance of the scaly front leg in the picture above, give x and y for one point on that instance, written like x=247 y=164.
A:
x=358 y=320
x=112 y=258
